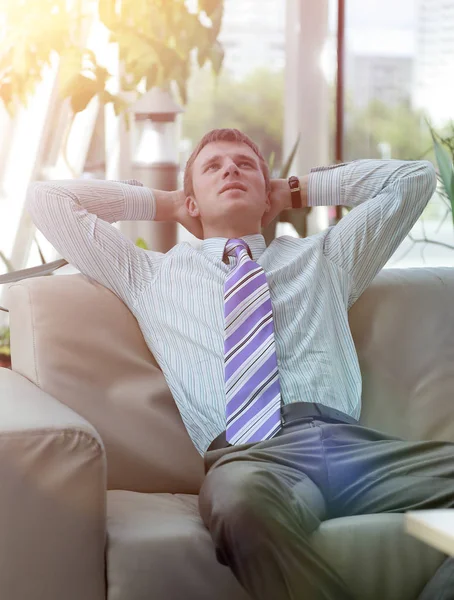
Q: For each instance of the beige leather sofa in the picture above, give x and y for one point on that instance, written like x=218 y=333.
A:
x=99 y=480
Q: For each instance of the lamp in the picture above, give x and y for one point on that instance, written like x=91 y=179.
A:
x=155 y=157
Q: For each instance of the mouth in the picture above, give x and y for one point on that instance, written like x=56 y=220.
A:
x=233 y=186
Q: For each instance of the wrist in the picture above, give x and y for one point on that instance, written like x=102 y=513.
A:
x=286 y=192
x=304 y=181
x=165 y=205
x=283 y=191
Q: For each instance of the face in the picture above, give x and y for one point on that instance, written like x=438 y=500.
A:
x=228 y=184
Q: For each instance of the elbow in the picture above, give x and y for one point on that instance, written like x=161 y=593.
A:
x=431 y=176
x=31 y=195
x=37 y=191
x=422 y=178
x=33 y=191
x=37 y=200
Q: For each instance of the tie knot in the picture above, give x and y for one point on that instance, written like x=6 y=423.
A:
x=233 y=247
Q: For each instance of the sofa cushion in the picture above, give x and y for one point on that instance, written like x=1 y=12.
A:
x=77 y=341
x=404 y=336
x=159 y=547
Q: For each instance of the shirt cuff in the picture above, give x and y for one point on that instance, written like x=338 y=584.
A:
x=325 y=186
x=139 y=202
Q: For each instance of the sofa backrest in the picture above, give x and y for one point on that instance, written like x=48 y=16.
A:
x=77 y=341
x=403 y=328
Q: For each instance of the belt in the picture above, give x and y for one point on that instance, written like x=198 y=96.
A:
x=293 y=412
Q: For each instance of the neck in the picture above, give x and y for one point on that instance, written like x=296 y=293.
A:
x=229 y=232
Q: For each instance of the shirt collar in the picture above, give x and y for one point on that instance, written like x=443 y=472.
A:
x=215 y=246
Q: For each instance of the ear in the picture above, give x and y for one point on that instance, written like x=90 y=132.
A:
x=268 y=201
x=191 y=206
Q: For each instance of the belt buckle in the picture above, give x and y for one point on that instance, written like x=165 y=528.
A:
x=319 y=411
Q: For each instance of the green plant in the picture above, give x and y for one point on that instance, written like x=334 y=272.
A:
x=155 y=42
x=5 y=341
x=444 y=154
x=141 y=243
x=443 y=148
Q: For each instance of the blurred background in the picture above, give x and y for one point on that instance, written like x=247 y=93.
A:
x=117 y=89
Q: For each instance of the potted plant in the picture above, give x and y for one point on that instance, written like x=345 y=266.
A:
x=156 y=44
x=5 y=354
x=443 y=145
x=444 y=153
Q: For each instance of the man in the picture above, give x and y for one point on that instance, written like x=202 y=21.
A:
x=270 y=386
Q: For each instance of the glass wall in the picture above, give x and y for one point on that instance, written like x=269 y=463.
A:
x=399 y=64
x=399 y=60
x=249 y=93
x=398 y=69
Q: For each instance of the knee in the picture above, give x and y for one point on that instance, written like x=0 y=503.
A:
x=243 y=496
x=240 y=498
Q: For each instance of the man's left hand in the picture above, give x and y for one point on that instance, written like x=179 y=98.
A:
x=280 y=200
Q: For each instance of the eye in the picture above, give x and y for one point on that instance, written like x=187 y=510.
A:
x=212 y=166
x=245 y=162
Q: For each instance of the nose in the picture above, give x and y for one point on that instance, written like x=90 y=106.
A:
x=230 y=169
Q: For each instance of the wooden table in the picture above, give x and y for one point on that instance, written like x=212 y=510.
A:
x=435 y=527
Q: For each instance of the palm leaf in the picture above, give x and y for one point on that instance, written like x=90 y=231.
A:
x=288 y=163
x=446 y=168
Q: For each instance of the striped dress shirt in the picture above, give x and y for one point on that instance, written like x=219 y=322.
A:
x=177 y=297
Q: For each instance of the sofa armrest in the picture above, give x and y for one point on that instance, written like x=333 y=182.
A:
x=52 y=497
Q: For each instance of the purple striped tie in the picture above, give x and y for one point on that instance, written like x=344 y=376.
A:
x=251 y=374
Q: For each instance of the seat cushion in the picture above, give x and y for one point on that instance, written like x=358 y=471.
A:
x=158 y=547
x=375 y=556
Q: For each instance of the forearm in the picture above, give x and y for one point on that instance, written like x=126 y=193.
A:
x=388 y=197
x=351 y=184
x=76 y=217
x=111 y=201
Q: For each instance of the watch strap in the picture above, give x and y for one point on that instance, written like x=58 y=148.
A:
x=295 y=191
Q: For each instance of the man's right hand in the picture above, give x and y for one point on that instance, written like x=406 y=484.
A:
x=170 y=207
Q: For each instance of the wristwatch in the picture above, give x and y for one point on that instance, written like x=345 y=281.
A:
x=295 y=191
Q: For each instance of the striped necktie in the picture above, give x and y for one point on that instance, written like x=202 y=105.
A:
x=251 y=374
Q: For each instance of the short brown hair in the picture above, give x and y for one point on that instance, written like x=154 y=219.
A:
x=223 y=135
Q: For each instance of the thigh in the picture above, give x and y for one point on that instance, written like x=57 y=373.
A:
x=260 y=513
x=267 y=490
x=370 y=472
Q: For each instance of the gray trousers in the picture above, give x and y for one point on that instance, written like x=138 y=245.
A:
x=262 y=501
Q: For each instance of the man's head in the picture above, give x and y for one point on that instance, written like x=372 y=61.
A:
x=227 y=184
